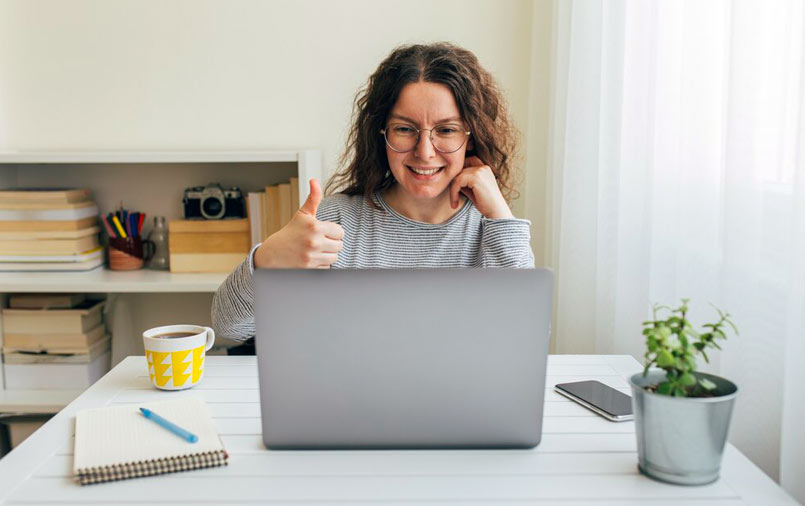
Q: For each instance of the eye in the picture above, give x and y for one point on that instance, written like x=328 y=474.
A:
x=402 y=129
x=447 y=129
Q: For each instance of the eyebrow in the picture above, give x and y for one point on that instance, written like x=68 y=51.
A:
x=446 y=120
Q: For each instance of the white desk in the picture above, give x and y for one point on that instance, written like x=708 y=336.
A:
x=583 y=459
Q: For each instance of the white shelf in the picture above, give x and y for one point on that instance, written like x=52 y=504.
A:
x=35 y=401
x=155 y=191
x=105 y=281
x=166 y=156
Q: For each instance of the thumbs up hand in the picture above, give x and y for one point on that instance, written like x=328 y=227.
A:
x=304 y=242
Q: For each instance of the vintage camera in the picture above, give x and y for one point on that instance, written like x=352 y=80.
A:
x=213 y=202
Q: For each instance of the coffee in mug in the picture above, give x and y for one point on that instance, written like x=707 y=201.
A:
x=173 y=335
x=176 y=355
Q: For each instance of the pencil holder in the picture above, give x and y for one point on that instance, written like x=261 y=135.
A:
x=127 y=254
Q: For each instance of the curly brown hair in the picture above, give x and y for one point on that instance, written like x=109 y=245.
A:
x=480 y=102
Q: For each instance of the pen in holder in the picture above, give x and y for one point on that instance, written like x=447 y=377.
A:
x=127 y=250
x=129 y=253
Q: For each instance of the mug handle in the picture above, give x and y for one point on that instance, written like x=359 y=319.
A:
x=210 y=338
x=148 y=244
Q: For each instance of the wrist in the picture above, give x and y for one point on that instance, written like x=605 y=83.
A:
x=262 y=257
x=500 y=213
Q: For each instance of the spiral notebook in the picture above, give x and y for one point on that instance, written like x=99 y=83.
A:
x=117 y=443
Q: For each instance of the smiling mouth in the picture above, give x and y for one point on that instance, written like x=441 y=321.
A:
x=424 y=172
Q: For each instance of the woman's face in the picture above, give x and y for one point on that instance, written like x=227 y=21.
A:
x=424 y=172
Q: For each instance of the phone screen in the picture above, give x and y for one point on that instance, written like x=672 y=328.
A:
x=602 y=396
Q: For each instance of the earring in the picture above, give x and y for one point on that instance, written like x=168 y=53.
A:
x=388 y=174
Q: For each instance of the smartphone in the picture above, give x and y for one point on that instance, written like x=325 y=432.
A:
x=604 y=400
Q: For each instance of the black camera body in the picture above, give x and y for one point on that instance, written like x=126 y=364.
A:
x=212 y=202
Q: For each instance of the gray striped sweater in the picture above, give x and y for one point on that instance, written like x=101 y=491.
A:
x=383 y=238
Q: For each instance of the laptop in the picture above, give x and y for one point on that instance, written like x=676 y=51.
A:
x=402 y=358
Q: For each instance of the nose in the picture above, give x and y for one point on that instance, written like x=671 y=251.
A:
x=424 y=147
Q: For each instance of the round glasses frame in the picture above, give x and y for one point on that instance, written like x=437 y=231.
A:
x=430 y=137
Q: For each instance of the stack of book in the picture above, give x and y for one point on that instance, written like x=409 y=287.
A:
x=49 y=230
x=56 y=341
x=272 y=209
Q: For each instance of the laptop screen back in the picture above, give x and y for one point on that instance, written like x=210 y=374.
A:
x=431 y=358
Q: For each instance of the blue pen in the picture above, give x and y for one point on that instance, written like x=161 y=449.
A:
x=190 y=438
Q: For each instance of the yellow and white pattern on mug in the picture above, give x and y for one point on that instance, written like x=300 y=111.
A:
x=173 y=369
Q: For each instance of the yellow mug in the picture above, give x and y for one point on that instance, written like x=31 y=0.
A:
x=175 y=355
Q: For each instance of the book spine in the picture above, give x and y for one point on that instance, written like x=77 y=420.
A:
x=284 y=203
x=151 y=467
x=49 y=215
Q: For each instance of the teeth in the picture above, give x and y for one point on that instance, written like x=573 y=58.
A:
x=425 y=172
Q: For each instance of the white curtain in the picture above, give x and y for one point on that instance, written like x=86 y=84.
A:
x=677 y=169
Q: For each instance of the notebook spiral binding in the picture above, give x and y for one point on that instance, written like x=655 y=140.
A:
x=151 y=467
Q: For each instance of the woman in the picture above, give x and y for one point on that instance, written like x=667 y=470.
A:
x=426 y=181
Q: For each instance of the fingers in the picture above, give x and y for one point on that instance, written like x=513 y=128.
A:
x=311 y=205
x=324 y=260
x=473 y=161
x=328 y=259
x=331 y=230
x=460 y=181
x=331 y=246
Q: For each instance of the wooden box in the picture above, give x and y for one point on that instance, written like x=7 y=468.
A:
x=208 y=245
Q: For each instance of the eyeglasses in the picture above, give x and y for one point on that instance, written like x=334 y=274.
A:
x=402 y=137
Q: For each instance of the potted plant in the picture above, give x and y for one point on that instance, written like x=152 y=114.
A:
x=681 y=416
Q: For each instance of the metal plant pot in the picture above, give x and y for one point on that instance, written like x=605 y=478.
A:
x=681 y=439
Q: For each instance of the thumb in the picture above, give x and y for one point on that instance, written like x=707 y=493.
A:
x=311 y=205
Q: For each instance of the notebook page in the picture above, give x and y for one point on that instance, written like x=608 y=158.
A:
x=117 y=435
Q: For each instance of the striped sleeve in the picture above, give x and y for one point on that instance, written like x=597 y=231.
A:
x=232 y=311
x=506 y=243
x=233 y=303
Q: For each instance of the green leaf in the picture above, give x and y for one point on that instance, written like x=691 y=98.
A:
x=707 y=384
x=732 y=325
x=688 y=379
x=665 y=359
x=664 y=388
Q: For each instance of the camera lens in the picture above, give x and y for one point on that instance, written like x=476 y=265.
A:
x=212 y=208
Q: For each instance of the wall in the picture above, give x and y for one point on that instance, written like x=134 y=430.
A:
x=215 y=74
x=535 y=201
x=235 y=74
